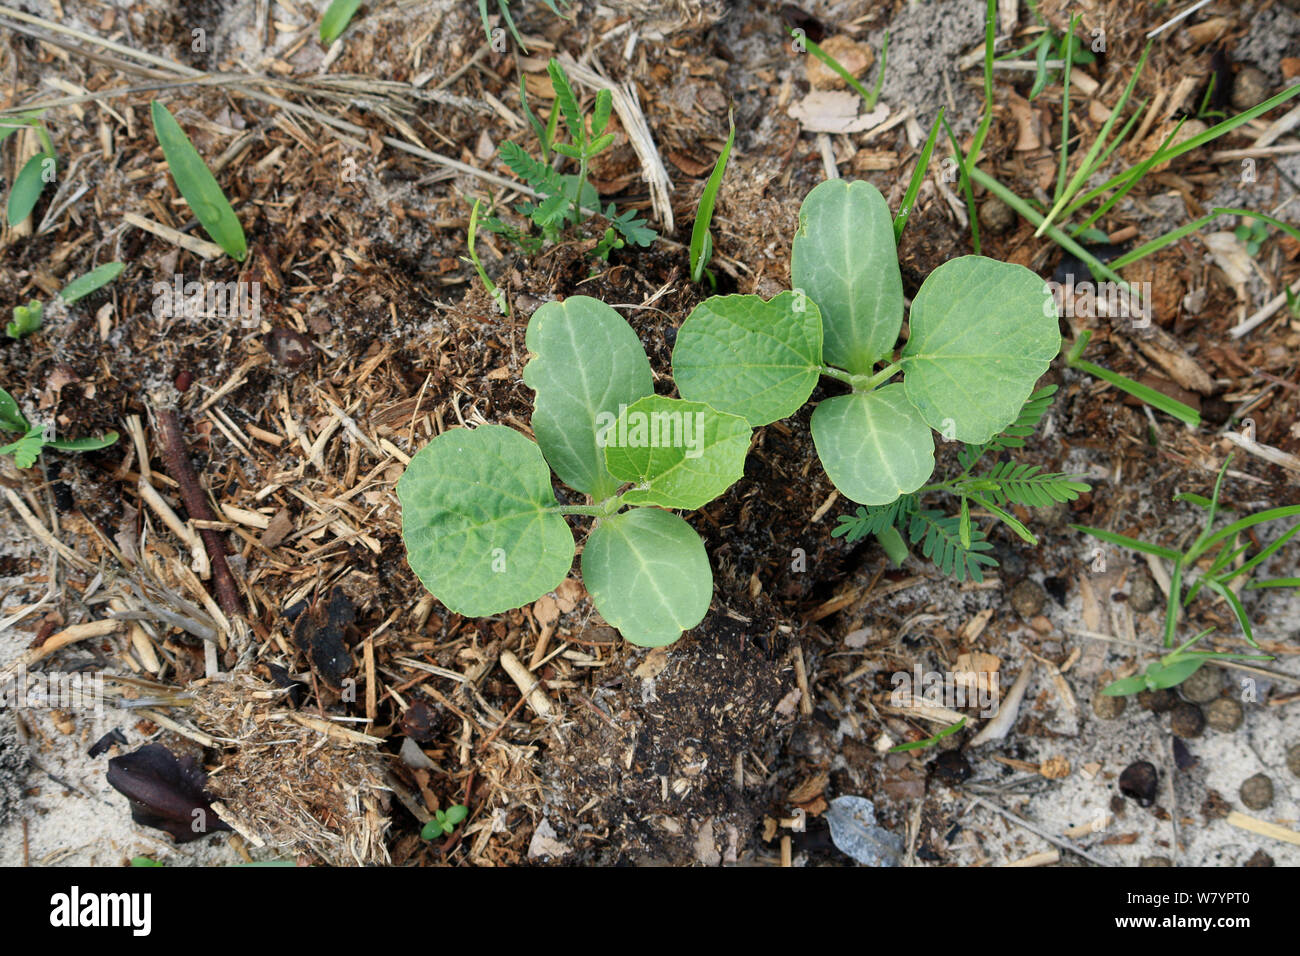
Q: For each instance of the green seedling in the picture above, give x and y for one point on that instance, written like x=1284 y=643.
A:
x=485 y=532
x=33 y=441
x=1173 y=668
x=336 y=19
x=565 y=198
x=929 y=741
x=197 y=184
x=27 y=319
x=1253 y=236
x=498 y=295
x=40 y=170
x=444 y=822
x=981 y=334
x=955 y=546
x=701 y=239
x=1227 y=559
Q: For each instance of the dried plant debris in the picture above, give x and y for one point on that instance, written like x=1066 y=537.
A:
x=13 y=762
x=298 y=784
x=166 y=792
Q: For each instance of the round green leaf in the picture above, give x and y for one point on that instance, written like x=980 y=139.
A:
x=982 y=333
x=648 y=575
x=480 y=522
x=873 y=445
x=844 y=258
x=587 y=362
x=741 y=355
x=680 y=454
x=456 y=813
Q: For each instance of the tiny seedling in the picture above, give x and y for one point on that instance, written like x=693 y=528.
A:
x=33 y=441
x=565 y=198
x=336 y=19
x=1227 y=559
x=444 y=822
x=485 y=532
x=38 y=171
x=27 y=319
x=929 y=741
x=1173 y=668
x=982 y=332
x=1253 y=236
x=701 y=239
x=197 y=184
x=498 y=295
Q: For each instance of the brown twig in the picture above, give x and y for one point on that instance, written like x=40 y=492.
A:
x=196 y=505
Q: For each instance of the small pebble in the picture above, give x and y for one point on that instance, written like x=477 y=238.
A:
x=1224 y=714
x=1107 y=707
x=1203 y=686
x=1028 y=598
x=1138 y=782
x=1249 y=88
x=1157 y=701
x=1257 y=792
x=1187 y=721
x=1293 y=759
x=997 y=215
x=1143 y=595
x=1259 y=858
x=951 y=767
x=1156 y=861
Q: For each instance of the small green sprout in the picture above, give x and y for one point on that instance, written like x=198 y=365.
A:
x=1156 y=399
x=701 y=240
x=33 y=441
x=444 y=823
x=27 y=319
x=565 y=198
x=197 y=184
x=1172 y=669
x=504 y=7
x=1253 y=236
x=929 y=741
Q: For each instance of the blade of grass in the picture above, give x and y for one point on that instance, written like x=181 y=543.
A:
x=986 y=118
x=27 y=188
x=918 y=176
x=1086 y=167
x=834 y=64
x=1124 y=541
x=963 y=176
x=1259 y=517
x=1065 y=119
x=336 y=19
x=92 y=280
x=704 y=214
x=197 y=184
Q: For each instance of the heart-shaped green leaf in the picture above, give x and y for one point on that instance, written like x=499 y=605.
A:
x=741 y=355
x=648 y=575
x=480 y=521
x=198 y=185
x=982 y=332
x=844 y=258
x=874 y=445
x=680 y=454
x=587 y=361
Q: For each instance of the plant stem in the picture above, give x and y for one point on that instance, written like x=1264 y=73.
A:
x=879 y=378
